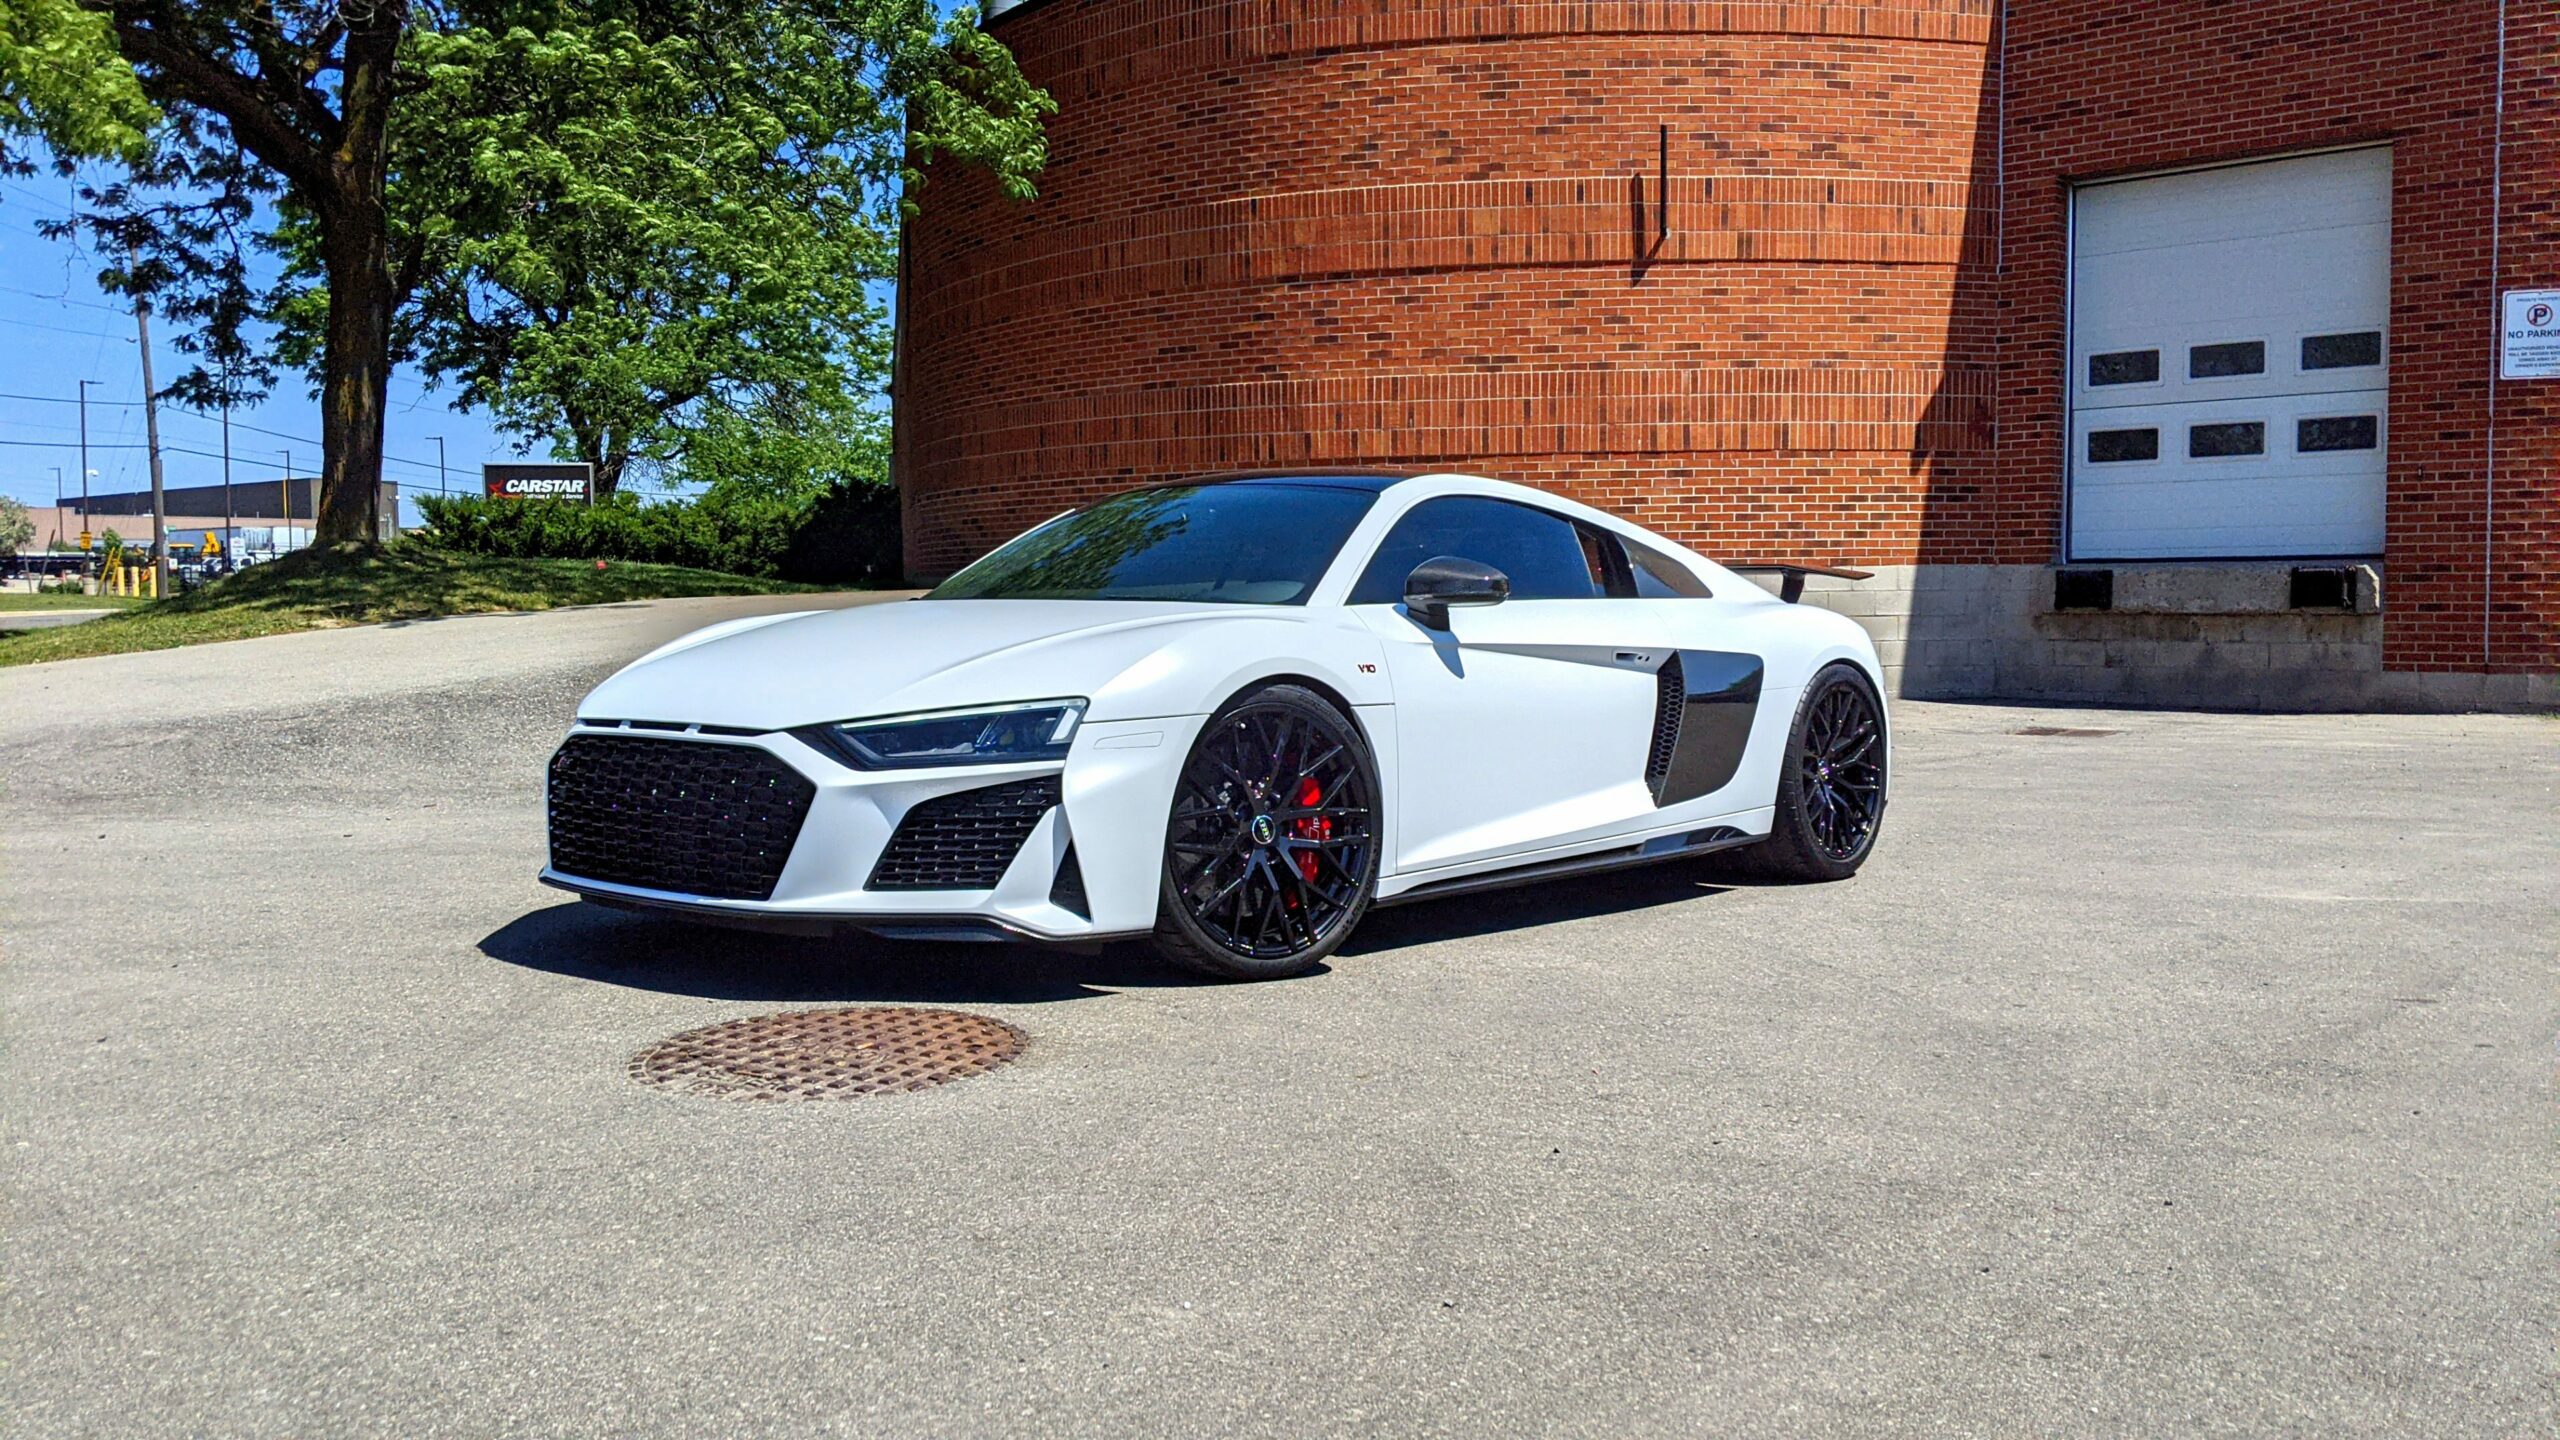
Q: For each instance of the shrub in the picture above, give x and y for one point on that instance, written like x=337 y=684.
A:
x=843 y=536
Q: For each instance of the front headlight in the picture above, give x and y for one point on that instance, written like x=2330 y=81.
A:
x=998 y=735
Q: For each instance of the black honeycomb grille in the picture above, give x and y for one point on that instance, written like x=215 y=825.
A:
x=1670 y=697
x=697 y=819
x=963 y=841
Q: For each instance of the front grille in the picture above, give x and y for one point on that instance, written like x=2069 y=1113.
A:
x=696 y=819
x=1670 y=697
x=963 y=841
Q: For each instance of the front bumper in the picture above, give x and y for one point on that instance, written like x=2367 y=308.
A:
x=1116 y=789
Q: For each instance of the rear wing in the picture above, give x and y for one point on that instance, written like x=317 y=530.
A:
x=1791 y=586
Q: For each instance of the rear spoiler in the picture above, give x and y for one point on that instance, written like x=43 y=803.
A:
x=1791 y=588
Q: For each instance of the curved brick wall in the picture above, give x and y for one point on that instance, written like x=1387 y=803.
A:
x=1430 y=232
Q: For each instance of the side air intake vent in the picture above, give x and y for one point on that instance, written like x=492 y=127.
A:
x=963 y=841
x=1067 y=892
x=1671 y=696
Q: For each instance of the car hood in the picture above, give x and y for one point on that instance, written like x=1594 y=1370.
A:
x=889 y=658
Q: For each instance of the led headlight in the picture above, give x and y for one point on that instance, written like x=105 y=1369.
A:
x=998 y=735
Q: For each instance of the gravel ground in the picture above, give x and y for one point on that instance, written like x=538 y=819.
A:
x=2190 y=1079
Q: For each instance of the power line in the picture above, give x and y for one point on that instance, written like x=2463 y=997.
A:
x=67 y=299
x=63 y=329
x=236 y=424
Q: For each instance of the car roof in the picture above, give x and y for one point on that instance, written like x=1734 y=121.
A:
x=1371 y=482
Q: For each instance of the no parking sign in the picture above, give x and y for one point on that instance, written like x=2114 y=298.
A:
x=2529 y=336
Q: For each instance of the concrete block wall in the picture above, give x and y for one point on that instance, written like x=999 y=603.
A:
x=2212 y=637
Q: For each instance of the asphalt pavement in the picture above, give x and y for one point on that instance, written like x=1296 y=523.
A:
x=2193 y=1078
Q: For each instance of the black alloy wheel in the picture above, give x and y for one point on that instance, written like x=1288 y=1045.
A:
x=1271 y=851
x=1841 y=767
x=1831 y=795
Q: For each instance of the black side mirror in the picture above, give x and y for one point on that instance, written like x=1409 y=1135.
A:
x=1446 y=580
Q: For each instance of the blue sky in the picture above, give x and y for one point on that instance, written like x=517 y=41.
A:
x=57 y=328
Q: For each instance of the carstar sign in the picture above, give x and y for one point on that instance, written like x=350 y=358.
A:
x=539 y=482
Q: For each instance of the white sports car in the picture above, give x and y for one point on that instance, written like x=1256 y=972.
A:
x=1231 y=716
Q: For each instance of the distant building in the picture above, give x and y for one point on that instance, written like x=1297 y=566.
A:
x=285 y=507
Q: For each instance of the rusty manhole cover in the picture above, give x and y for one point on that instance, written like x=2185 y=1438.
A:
x=829 y=1054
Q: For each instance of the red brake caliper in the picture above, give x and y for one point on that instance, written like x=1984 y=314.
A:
x=1311 y=827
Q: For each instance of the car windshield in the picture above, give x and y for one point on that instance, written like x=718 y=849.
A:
x=1262 y=543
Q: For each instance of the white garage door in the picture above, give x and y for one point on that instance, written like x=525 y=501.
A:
x=2228 y=360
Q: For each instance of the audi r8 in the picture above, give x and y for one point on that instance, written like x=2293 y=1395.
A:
x=1230 y=716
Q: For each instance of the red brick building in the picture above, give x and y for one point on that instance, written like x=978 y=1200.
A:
x=2145 y=351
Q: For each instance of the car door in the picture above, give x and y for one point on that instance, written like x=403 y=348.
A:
x=1522 y=725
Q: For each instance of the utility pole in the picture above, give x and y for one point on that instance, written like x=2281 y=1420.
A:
x=230 y=526
x=85 y=471
x=57 y=502
x=439 y=464
x=151 y=433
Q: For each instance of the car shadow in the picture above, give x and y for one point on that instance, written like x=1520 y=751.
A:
x=672 y=956
x=645 y=952
x=1548 y=902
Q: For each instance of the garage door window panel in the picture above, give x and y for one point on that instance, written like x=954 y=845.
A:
x=2121 y=447
x=2326 y=433
x=2355 y=350
x=2225 y=439
x=2227 y=361
x=2124 y=367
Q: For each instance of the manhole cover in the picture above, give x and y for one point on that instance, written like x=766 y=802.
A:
x=829 y=1054
x=2066 y=731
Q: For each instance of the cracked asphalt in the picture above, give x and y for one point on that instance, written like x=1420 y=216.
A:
x=2192 y=1079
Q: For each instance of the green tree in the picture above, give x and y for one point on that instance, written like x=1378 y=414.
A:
x=533 y=196
x=642 y=227
x=17 y=527
x=62 y=86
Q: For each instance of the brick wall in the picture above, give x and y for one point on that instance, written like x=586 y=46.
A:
x=2098 y=87
x=1281 y=232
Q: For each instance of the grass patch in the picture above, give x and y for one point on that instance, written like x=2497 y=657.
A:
x=20 y=600
x=322 y=589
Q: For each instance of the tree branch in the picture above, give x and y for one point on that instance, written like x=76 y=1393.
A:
x=178 y=72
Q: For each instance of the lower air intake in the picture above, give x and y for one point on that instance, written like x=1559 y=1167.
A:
x=964 y=841
x=678 y=815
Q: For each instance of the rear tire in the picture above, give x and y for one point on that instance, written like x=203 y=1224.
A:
x=1831 y=790
x=1271 y=848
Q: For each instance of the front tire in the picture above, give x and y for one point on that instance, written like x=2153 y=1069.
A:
x=1271 y=849
x=1831 y=791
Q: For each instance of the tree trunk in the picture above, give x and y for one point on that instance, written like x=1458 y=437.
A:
x=593 y=441
x=354 y=374
x=609 y=467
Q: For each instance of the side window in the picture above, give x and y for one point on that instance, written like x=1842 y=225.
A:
x=1659 y=577
x=1541 y=553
